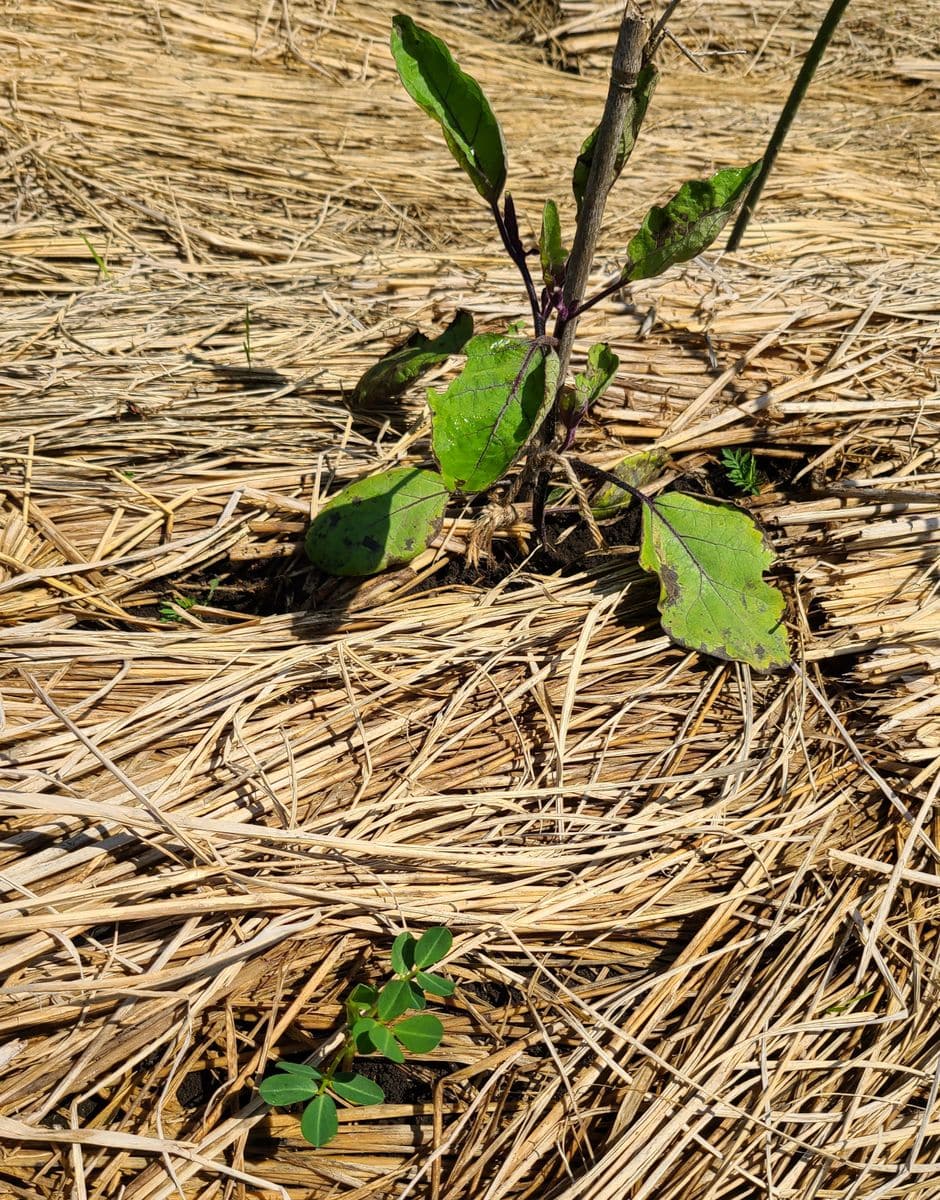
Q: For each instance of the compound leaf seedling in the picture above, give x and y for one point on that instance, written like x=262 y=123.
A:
x=512 y=394
x=741 y=469
x=375 y=1022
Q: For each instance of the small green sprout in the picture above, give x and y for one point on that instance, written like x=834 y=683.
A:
x=741 y=469
x=169 y=609
x=246 y=344
x=101 y=264
x=838 y=1010
x=376 y=1022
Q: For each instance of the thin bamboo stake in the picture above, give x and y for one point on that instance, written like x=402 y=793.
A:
x=822 y=39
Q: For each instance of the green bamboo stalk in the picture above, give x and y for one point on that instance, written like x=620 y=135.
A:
x=794 y=100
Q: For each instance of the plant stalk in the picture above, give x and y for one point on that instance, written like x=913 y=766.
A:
x=625 y=66
x=794 y=100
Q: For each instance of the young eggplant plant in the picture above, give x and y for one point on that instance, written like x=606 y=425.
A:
x=512 y=395
x=375 y=1023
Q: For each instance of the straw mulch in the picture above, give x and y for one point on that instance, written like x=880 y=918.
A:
x=695 y=909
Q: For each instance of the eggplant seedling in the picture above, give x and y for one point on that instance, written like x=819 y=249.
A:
x=511 y=417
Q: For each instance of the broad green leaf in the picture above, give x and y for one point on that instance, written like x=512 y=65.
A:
x=394 y=999
x=287 y=1088
x=417 y=995
x=602 y=366
x=688 y=224
x=377 y=522
x=551 y=251
x=386 y=1044
x=299 y=1069
x=403 y=954
x=483 y=421
x=636 y=111
x=635 y=469
x=319 y=1122
x=362 y=996
x=710 y=559
x=357 y=1089
x=392 y=374
x=455 y=101
x=361 y=1034
x=420 y=1034
x=433 y=945
x=437 y=985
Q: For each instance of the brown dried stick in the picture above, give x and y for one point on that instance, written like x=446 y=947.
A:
x=625 y=66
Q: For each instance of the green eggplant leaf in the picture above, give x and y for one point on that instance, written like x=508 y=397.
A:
x=357 y=1089
x=455 y=101
x=602 y=366
x=484 y=420
x=636 y=470
x=636 y=111
x=391 y=375
x=287 y=1088
x=320 y=1122
x=552 y=253
x=420 y=1034
x=710 y=560
x=688 y=224
x=377 y=522
x=433 y=945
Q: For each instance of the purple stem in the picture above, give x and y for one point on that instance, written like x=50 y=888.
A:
x=518 y=256
x=618 y=283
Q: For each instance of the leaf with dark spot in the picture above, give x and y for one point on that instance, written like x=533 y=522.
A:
x=688 y=224
x=710 y=560
x=391 y=375
x=378 y=522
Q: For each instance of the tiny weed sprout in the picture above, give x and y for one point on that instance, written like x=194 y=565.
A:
x=506 y=425
x=246 y=343
x=170 y=610
x=741 y=469
x=99 y=261
x=377 y=1022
